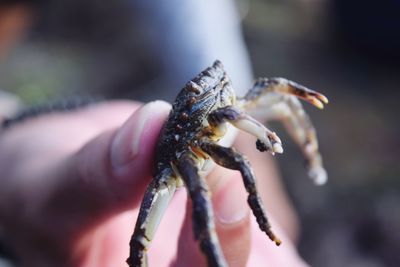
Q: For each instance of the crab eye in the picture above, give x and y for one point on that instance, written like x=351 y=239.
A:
x=194 y=88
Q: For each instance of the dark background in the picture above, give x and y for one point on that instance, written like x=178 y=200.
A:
x=349 y=50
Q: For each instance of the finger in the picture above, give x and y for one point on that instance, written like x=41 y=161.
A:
x=231 y=220
x=263 y=252
x=108 y=174
x=59 y=133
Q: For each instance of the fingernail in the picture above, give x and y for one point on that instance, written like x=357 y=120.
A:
x=126 y=143
x=230 y=203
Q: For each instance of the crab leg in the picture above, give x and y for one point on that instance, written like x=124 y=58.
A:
x=276 y=99
x=281 y=85
x=267 y=140
x=203 y=218
x=231 y=159
x=155 y=202
x=302 y=131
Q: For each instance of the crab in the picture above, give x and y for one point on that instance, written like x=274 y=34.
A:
x=202 y=115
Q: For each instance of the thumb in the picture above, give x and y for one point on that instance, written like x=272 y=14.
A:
x=109 y=173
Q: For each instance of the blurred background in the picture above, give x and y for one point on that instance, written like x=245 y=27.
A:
x=348 y=50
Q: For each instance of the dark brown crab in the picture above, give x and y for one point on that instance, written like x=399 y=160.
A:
x=191 y=137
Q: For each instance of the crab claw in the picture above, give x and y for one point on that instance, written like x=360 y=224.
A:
x=271 y=145
x=322 y=98
x=277 y=148
x=315 y=98
x=276 y=143
x=266 y=139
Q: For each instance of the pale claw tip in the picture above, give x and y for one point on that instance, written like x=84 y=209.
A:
x=277 y=148
x=323 y=98
x=317 y=103
x=318 y=175
x=276 y=137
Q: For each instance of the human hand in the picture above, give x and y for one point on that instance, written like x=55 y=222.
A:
x=64 y=203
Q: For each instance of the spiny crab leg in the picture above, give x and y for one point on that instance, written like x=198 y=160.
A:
x=282 y=85
x=266 y=139
x=202 y=212
x=231 y=159
x=156 y=199
x=303 y=132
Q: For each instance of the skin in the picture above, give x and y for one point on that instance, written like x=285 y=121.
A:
x=66 y=201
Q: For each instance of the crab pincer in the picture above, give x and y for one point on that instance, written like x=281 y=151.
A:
x=316 y=99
